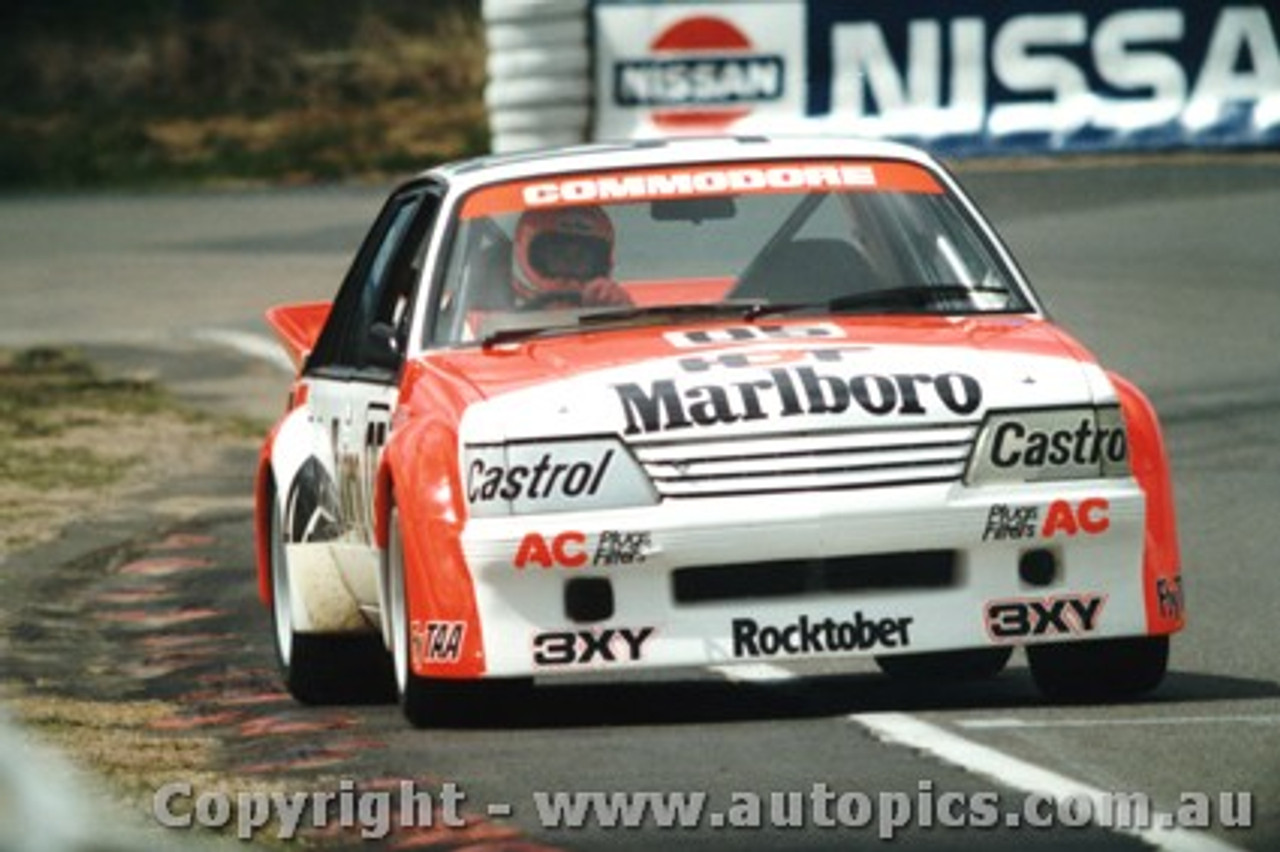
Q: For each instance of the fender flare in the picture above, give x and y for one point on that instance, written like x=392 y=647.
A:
x=1149 y=460
x=418 y=472
x=263 y=498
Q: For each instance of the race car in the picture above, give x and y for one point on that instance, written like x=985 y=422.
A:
x=699 y=402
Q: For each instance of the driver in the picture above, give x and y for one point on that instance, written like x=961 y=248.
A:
x=564 y=257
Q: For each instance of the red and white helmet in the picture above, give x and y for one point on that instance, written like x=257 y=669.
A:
x=541 y=239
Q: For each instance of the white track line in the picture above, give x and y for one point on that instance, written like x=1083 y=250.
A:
x=1011 y=723
x=906 y=730
x=254 y=345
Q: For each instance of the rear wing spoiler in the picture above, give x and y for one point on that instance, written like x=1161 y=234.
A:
x=298 y=327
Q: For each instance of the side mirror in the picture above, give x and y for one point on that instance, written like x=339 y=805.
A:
x=383 y=347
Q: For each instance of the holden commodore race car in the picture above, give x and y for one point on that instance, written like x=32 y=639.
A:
x=701 y=402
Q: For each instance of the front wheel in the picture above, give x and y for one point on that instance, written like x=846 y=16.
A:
x=431 y=701
x=1099 y=670
x=412 y=690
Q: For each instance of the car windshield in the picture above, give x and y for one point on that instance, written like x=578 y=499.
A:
x=741 y=239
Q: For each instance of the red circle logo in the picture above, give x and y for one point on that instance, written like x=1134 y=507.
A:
x=708 y=75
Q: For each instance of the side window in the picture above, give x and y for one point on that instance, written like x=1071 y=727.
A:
x=390 y=295
x=368 y=327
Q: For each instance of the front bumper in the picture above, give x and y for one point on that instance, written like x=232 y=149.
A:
x=670 y=575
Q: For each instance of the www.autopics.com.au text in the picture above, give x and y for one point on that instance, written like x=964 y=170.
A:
x=376 y=813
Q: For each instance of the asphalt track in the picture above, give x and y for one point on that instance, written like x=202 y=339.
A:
x=1167 y=268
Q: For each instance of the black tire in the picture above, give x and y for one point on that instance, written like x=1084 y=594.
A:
x=436 y=701
x=339 y=669
x=322 y=669
x=1107 y=669
x=970 y=664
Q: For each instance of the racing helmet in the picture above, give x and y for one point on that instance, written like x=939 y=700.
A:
x=561 y=249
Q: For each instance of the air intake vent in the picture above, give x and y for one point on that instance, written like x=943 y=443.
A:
x=928 y=569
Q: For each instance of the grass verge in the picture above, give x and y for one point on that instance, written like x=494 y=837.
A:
x=73 y=440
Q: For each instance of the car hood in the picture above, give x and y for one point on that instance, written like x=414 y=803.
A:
x=715 y=381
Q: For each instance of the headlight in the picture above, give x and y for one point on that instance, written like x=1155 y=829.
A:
x=552 y=476
x=1050 y=445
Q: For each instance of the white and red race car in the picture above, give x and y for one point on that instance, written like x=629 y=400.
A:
x=696 y=402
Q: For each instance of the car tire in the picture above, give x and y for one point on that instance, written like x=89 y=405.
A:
x=321 y=668
x=434 y=701
x=414 y=692
x=1099 y=670
x=970 y=664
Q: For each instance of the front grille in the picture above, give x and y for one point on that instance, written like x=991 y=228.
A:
x=926 y=569
x=813 y=461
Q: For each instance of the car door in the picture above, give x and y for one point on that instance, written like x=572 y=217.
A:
x=351 y=381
